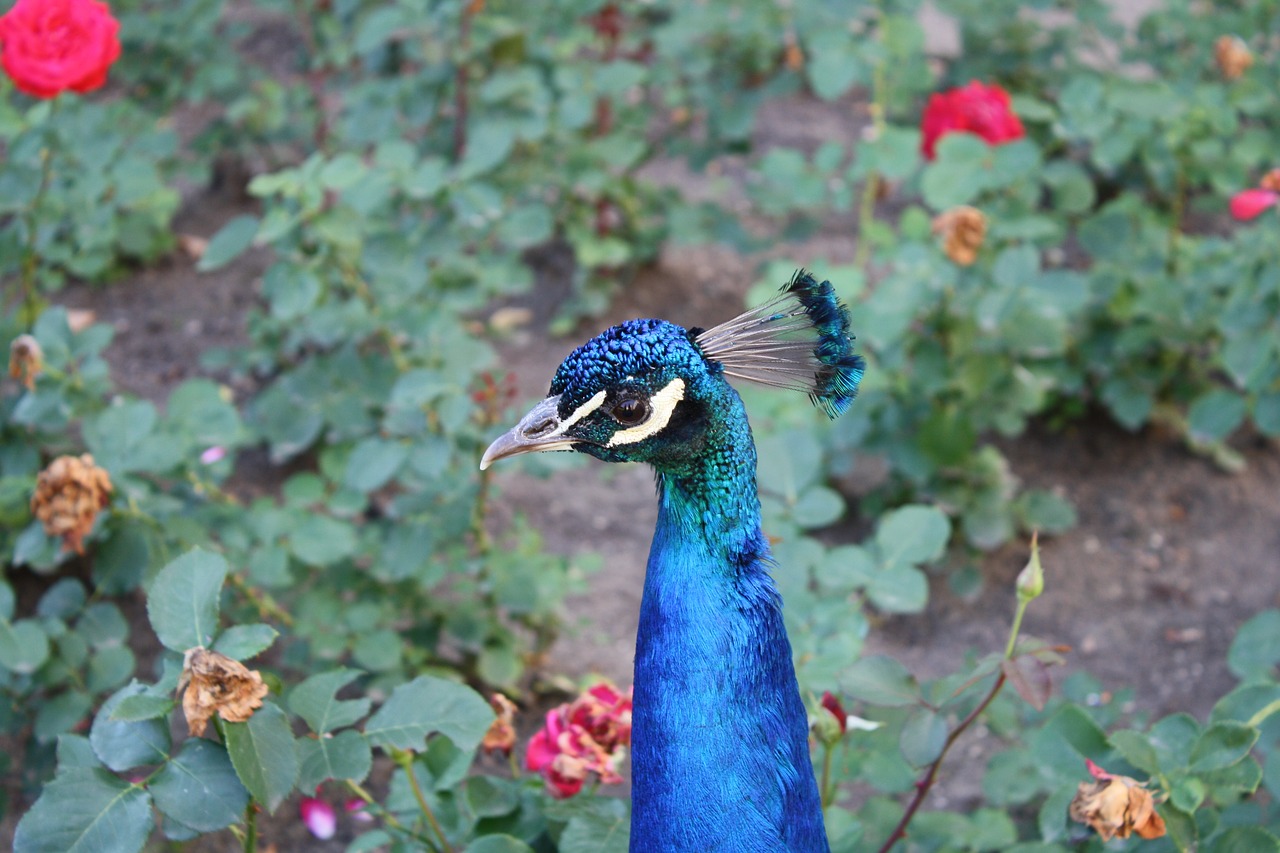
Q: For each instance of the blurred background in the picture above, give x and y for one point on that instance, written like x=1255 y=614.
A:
x=296 y=263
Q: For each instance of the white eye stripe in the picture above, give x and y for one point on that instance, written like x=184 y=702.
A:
x=663 y=405
x=580 y=413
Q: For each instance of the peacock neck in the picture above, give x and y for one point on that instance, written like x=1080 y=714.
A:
x=720 y=736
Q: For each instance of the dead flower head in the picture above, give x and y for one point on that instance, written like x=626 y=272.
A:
x=501 y=736
x=1116 y=806
x=1270 y=181
x=216 y=684
x=963 y=229
x=69 y=494
x=26 y=360
x=1233 y=56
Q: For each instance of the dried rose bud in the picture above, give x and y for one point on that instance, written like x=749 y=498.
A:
x=1116 y=806
x=216 y=684
x=26 y=360
x=1233 y=56
x=1270 y=181
x=793 y=55
x=962 y=229
x=69 y=493
x=501 y=736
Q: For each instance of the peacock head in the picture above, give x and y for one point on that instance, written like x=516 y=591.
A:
x=650 y=391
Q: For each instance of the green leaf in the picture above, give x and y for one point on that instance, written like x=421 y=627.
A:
x=373 y=462
x=232 y=239
x=142 y=706
x=1256 y=648
x=183 y=600
x=912 y=535
x=498 y=844
x=1266 y=413
x=1245 y=839
x=1044 y=511
x=199 y=787
x=603 y=827
x=242 y=642
x=314 y=700
x=1135 y=748
x=1215 y=415
x=880 y=680
x=427 y=705
x=344 y=756
x=123 y=744
x=86 y=810
x=319 y=540
x=24 y=646
x=923 y=736
x=899 y=589
x=264 y=756
x=1221 y=745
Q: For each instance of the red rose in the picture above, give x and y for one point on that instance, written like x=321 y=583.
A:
x=975 y=108
x=49 y=46
x=1248 y=204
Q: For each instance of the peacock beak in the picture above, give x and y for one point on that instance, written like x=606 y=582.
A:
x=537 y=431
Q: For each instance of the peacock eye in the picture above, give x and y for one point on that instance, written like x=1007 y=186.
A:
x=630 y=411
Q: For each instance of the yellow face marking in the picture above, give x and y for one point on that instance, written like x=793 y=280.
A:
x=580 y=413
x=662 y=405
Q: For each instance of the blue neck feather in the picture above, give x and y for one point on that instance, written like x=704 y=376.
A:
x=720 y=736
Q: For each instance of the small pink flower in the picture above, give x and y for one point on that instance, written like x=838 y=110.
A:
x=1249 y=204
x=214 y=454
x=356 y=809
x=319 y=817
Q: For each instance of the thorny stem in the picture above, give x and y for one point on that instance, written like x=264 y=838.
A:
x=387 y=817
x=1179 y=207
x=483 y=543
x=266 y=605
x=460 y=84
x=251 y=828
x=315 y=76
x=871 y=187
x=405 y=759
x=30 y=299
x=824 y=792
x=924 y=785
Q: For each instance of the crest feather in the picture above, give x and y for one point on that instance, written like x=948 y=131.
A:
x=799 y=340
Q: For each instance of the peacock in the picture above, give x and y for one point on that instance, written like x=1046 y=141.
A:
x=720 y=750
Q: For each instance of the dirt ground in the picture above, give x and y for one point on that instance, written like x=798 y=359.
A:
x=1169 y=557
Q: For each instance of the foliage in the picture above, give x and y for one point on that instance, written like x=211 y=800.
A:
x=409 y=158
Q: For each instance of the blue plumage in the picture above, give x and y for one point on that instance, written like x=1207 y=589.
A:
x=720 y=749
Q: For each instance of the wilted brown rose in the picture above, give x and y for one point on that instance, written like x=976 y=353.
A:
x=1116 y=807
x=963 y=229
x=216 y=684
x=1233 y=56
x=1270 y=181
x=26 y=360
x=501 y=736
x=793 y=55
x=68 y=495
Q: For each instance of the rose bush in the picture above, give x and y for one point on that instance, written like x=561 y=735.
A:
x=51 y=46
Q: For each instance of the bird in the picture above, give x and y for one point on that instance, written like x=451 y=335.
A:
x=719 y=742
